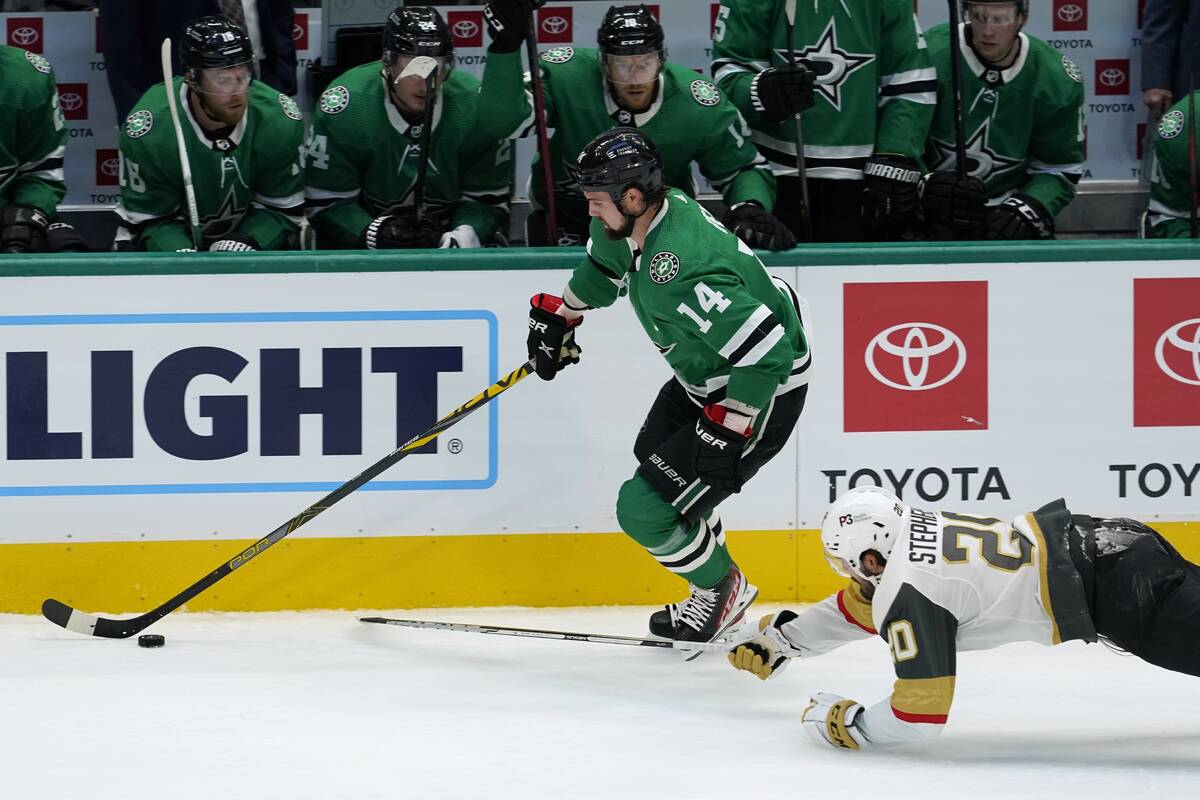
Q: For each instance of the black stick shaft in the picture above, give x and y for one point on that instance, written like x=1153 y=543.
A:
x=426 y=142
x=543 y=131
x=797 y=125
x=960 y=139
x=1192 y=169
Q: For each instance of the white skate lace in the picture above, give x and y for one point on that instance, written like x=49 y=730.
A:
x=696 y=610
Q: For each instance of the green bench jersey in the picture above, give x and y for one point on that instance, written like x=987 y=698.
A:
x=1023 y=125
x=725 y=327
x=1170 y=175
x=255 y=187
x=688 y=121
x=874 y=89
x=33 y=135
x=363 y=159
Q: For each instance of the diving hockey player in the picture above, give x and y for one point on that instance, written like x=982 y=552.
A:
x=369 y=139
x=625 y=81
x=1173 y=189
x=874 y=94
x=1023 y=121
x=245 y=146
x=932 y=583
x=732 y=335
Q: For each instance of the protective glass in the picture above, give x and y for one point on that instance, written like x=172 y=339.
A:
x=227 y=80
x=998 y=15
x=397 y=63
x=632 y=70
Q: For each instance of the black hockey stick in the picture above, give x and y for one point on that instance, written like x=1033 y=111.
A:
x=543 y=130
x=533 y=633
x=73 y=620
x=428 y=69
x=960 y=138
x=1192 y=171
x=798 y=129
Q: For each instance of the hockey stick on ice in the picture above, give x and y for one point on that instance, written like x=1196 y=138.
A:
x=185 y=166
x=543 y=130
x=425 y=68
x=533 y=633
x=798 y=129
x=63 y=615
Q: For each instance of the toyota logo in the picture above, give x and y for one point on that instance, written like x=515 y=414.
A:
x=1175 y=337
x=110 y=167
x=24 y=35
x=297 y=32
x=465 y=29
x=1070 y=13
x=555 y=24
x=921 y=342
x=70 y=101
x=1112 y=76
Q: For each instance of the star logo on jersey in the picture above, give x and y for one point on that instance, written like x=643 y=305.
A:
x=1171 y=125
x=558 y=55
x=664 y=267
x=831 y=64
x=39 y=63
x=705 y=93
x=223 y=222
x=335 y=99
x=982 y=161
x=289 y=107
x=138 y=124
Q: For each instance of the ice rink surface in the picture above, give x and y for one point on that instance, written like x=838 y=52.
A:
x=319 y=705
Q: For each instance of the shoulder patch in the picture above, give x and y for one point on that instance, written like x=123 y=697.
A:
x=1171 y=125
x=558 y=55
x=1073 y=72
x=289 y=107
x=335 y=99
x=705 y=93
x=664 y=267
x=138 y=124
x=39 y=63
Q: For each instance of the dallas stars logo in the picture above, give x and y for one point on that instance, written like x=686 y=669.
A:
x=831 y=64
x=982 y=161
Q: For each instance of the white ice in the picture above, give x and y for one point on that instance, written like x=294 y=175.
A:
x=319 y=705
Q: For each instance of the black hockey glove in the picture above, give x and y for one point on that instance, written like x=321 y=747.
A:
x=23 y=229
x=551 y=342
x=508 y=23
x=396 y=233
x=954 y=205
x=717 y=450
x=234 y=243
x=890 y=197
x=781 y=92
x=63 y=237
x=755 y=226
x=1020 y=217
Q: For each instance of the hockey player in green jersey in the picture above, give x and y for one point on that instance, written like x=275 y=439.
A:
x=366 y=150
x=245 y=146
x=1173 y=177
x=864 y=134
x=33 y=139
x=1022 y=107
x=735 y=340
x=935 y=583
x=626 y=81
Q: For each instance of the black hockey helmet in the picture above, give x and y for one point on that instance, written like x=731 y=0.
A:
x=616 y=160
x=1022 y=5
x=214 y=43
x=630 y=31
x=416 y=31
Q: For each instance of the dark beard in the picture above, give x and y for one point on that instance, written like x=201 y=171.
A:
x=620 y=233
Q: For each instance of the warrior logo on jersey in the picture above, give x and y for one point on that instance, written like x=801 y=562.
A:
x=335 y=99
x=705 y=93
x=1171 y=125
x=39 y=63
x=289 y=107
x=982 y=161
x=664 y=267
x=831 y=64
x=138 y=124
x=1073 y=72
x=559 y=55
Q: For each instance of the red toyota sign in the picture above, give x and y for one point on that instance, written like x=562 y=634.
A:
x=73 y=100
x=1112 y=76
x=300 y=31
x=26 y=33
x=1070 y=15
x=466 y=27
x=1166 y=352
x=108 y=167
x=555 y=25
x=915 y=356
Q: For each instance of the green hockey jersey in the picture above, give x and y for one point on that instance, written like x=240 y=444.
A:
x=250 y=182
x=1023 y=125
x=1171 y=191
x=874 y=90
x=725 y=327
x=688 y=121
x=33 y=135
x=363 y=159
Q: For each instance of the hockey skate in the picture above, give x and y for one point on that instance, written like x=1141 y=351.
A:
x=706 y=613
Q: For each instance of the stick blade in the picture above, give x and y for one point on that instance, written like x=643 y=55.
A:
x=420 y=66
x=77 y=621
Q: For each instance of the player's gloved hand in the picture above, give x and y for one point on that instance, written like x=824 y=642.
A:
x=890 y=196
x=1019 y=217
x=23 y=229
x=767 y=653
x=781 y=92
x=551 y=342
x=957 y=204
x=63 y=237
x=234 y=243
x=508 y=23
x=395 y=233
x=462 y=236
x=757 y=227
x=829 y=718
x=717 y=449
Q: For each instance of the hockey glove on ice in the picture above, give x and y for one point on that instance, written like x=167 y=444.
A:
x=755 y=226
x=394 y=233
x=23 y=229
x=829 y=718
x=954 y=205
x=766 y=654
x=234 y=243
x=508 y=23
x=781 y=92
x=717 y=450
x=551 y=343
x=890 y=197
x=1020 y=217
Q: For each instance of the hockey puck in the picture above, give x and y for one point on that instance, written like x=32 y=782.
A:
x=151 y=640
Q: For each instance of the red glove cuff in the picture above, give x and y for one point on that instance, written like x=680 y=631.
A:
x=717 y=413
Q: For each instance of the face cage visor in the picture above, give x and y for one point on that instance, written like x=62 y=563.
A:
x=632 y=70
x=991 y=14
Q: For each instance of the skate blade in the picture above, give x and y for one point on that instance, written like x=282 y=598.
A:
x=719 y=638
